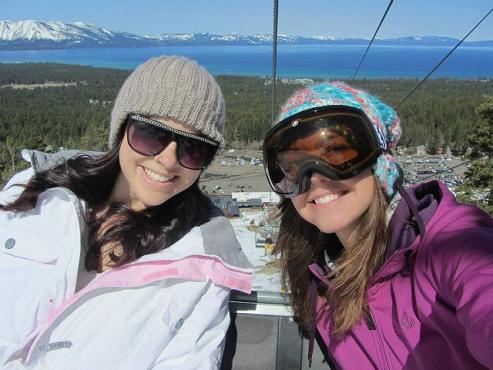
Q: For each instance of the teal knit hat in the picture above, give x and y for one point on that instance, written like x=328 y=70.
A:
x=383 y=117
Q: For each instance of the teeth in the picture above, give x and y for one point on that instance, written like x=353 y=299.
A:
x=327 y=199
x=155 y=176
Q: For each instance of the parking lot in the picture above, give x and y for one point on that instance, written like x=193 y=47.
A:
x=242 y=170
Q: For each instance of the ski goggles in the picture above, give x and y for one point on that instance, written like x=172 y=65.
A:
x=338 y=142
x=149 y=137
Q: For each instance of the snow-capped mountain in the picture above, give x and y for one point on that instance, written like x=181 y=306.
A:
x=32 y=34
x=54 y=31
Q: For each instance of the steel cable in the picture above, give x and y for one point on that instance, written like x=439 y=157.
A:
x=442 y=60
x=373 y=38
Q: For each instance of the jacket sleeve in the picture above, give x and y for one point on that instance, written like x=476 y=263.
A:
x=463 y=271
x=11 y=190
x=40 y=161
x=199 y=342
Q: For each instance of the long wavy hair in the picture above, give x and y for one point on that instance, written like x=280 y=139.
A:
x=300 y=243
x=92 y=178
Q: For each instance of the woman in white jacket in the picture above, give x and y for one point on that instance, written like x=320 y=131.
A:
x=118 y=260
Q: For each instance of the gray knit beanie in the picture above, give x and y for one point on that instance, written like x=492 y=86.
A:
x=174 y=87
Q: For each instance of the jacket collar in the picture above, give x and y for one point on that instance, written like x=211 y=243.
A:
x=415 y=210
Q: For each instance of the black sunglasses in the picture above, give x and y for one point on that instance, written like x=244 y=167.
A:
x=149 y=137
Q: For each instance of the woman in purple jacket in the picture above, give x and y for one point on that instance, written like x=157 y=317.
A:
x=388 y=287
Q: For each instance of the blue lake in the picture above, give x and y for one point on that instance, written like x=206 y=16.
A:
x=337 y=61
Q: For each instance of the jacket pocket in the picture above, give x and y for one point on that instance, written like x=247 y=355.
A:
x=27 y=265
x=29 y=244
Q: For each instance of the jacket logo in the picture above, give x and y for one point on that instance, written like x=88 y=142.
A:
x=407 y=321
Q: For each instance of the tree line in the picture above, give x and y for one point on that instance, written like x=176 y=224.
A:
x=441 y=113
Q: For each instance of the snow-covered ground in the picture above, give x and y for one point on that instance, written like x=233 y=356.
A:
x=263 y=280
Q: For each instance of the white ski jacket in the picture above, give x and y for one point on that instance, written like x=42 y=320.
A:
x=167 y=310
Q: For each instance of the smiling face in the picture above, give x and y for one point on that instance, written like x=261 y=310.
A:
x=146 y=181
x=336 y=206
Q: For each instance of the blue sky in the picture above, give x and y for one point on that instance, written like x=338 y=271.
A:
x=338 y=18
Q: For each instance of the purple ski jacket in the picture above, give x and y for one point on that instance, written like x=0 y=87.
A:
x=431 y=303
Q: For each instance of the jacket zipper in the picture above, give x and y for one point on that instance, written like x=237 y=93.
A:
x=376 y=333
x=370 y=323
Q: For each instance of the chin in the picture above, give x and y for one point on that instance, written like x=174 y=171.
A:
x=149 y=202
x=333 y=227
x=327 y=230
x=155 y=203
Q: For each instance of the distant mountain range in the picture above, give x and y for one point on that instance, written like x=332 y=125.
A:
x=35 y=35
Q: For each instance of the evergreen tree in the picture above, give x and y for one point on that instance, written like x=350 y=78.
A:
x=478 y=187
x=74 y=111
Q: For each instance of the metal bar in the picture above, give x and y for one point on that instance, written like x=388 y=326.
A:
x=274 y=58
x=289 y=345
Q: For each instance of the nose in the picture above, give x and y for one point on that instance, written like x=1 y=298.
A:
x=168 y=156
x=312 y=180
x=318 y=178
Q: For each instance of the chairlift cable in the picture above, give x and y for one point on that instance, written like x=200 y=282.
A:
x=372 y=39
x=443 y=59
x=274 y=58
